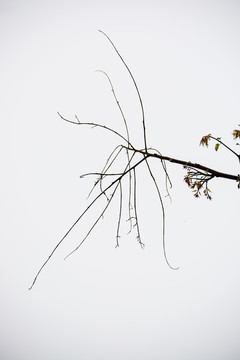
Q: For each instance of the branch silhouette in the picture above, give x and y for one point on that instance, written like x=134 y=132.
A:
x=196 y=178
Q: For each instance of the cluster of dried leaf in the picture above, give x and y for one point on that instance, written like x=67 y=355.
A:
x=197 y=179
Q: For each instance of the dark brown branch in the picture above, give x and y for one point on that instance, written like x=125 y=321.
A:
x=189 y=164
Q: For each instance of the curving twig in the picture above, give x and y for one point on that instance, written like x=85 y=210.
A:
x=106 y=168
x=95 y=125
x=136 y=87
x=163 y=216
x=128 y=138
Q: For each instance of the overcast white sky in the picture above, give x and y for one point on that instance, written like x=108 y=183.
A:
x=102 y=302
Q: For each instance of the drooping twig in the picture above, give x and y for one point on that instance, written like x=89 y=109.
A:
x=119 y=215
x=167 y=177
x=135 y=210
x=163 y=216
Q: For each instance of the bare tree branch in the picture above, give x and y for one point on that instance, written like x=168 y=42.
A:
x=197 y=175
x=190 y=164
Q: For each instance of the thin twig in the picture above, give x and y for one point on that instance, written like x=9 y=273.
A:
x=95 y=223
x=95 y=125
x=117 y=101
x=135 y=210
x=163 y=216
x=227 y=147
x=105 y=168
x=136 y=87
x=119 y=215
x=100 y=174
x=127 y=132
x=167 y=177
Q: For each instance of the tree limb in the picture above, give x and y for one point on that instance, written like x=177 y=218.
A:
x=190 y=164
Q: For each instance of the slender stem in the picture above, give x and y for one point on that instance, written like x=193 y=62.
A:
x=227 y=147
x=117 y=102
x=101 y=174
x=167 y=177
x=136 y=87
x=135 y=210
x=105 y=168
x=163 y=216
x=127 y=132
x=95 y=125
x=119 y=215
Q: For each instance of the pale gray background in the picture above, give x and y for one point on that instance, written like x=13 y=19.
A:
x=107 y=303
